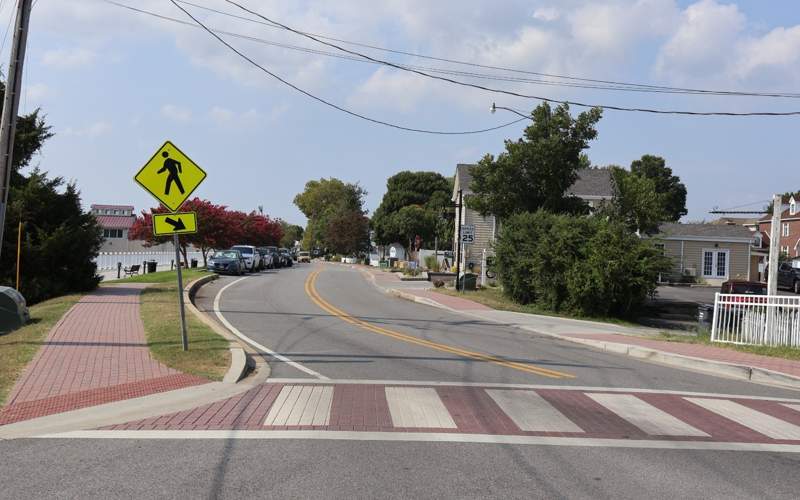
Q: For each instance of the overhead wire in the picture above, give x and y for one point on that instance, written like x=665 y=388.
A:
x=512 y=93
x=622 y=85
x=326 y=102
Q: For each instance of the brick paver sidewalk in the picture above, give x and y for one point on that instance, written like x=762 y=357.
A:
x=95 y=354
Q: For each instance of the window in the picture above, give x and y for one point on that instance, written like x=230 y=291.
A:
x=660 y=248
x=715 y=263
x=792 y=207
x=786 y=229
x=112 y=233
x=785 y=250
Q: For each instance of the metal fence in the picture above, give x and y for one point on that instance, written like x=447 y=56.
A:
x=771 y=320
x=108 y=260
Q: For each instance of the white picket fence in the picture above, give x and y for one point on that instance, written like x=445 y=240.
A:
x=108 y=260
x=771 y=320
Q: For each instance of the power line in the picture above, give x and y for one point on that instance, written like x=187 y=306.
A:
x=515 y=94
x=467 y=74
x=328 y=103
x=640 y=87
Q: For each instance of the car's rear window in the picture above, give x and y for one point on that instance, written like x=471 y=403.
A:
x=753 y=289
x=226 y=255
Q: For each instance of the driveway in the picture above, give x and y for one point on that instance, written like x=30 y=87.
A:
x=697 y=294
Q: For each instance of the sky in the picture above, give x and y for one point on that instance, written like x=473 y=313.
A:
x=115 y=84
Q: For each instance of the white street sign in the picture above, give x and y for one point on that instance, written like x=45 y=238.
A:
x=467 y=234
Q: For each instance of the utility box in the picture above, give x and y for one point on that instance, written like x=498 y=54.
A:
x=13 y=309
x=151 y=266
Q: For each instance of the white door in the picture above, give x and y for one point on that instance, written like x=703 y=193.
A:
x=715 y=263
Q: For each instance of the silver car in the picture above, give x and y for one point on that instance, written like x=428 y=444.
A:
x=252 y=258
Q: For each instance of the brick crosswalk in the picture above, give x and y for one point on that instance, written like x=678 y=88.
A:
x=441 y=408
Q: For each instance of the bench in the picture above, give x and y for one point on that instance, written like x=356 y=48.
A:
x=134 y=269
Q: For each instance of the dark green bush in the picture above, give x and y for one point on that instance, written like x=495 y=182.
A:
x=587 y=265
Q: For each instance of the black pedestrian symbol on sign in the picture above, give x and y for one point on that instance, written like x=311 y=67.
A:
x=174 y=169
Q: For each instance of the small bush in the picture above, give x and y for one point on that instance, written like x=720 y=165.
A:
x=438 y=283
x=432 y=263
x=589 y=265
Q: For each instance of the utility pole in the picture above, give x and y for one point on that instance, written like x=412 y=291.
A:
x=8 y=121
x=458 y=243
x=774 y=244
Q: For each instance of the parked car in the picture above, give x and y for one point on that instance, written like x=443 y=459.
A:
x=741 y=287
x=277 y=262
x=304 y=257
x=788 y=277
x=227 y=262
x=287 y=257
x=251 y=257
x=267 y=259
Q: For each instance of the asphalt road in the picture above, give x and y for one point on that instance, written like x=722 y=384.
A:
x=276 y=310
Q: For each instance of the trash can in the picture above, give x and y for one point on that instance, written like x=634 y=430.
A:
x=468 y=281
x=13 y=309
x=705 y=315
x=384 y=264
x=194 y=263
x=151 y=266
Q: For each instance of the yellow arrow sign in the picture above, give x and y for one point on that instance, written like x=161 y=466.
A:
x=177 y=223
x=170 y=176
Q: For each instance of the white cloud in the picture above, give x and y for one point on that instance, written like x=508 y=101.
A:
x=176 y=113
x=92 y=131
x=38 y=92
x=547 y=14
x=223 y=116
x=68 y=58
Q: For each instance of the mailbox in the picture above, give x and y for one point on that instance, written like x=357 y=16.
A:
x=13 y=309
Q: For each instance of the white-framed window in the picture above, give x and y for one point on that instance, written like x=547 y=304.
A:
x=785 y=250
x=792 y=207
x=112 y=233
x=786 y=229
x=715 y=263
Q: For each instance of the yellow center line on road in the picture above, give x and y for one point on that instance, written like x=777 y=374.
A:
x=311 y=291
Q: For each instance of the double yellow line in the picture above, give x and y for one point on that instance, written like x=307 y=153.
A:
x=311 y=291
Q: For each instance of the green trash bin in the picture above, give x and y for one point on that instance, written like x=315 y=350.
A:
x=468 y=281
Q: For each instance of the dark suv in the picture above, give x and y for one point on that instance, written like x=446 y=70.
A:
x=789 y=277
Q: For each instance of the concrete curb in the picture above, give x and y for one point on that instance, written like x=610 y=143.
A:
x=711 y=367
x=239 y=359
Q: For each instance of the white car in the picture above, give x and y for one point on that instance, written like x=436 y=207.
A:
x=252 y=259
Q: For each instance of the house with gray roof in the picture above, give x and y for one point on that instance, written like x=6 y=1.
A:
x=594 y=186
x=710 y=253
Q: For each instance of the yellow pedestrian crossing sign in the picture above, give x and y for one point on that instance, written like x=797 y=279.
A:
x=176 y=223
x=170 y=176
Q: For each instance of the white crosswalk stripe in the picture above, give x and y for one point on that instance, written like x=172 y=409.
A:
x=748 y=417
x=531 y=412
x=645 y=416
x=301 y=405
x=418 y=407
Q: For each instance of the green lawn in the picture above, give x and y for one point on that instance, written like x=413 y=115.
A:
x=494 y=298
x=208 y=355
x=704 y=337
x=18 y=347
x=163 y=277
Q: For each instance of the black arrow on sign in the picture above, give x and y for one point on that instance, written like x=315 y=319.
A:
x=177 y=225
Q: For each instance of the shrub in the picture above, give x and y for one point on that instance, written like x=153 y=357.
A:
x=432 y=263
x=589 y=265
x=438 y=283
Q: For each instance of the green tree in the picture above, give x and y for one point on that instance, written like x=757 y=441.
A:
x=347 y=233
x=60 y=240
x=320 y=201
x=638 y=202
x=414 y=205
x=669 y=186
x=291 y=233
x=535 y=171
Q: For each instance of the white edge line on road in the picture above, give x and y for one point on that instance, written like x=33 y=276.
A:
x=255 y=344
x=428 y=437
x=490 y=385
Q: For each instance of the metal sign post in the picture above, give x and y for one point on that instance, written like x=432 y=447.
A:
x=184 y=337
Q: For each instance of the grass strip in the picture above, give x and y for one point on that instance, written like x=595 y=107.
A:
x=19 y=347
x=208 y=355
x=704 y=337
x=162 y=277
